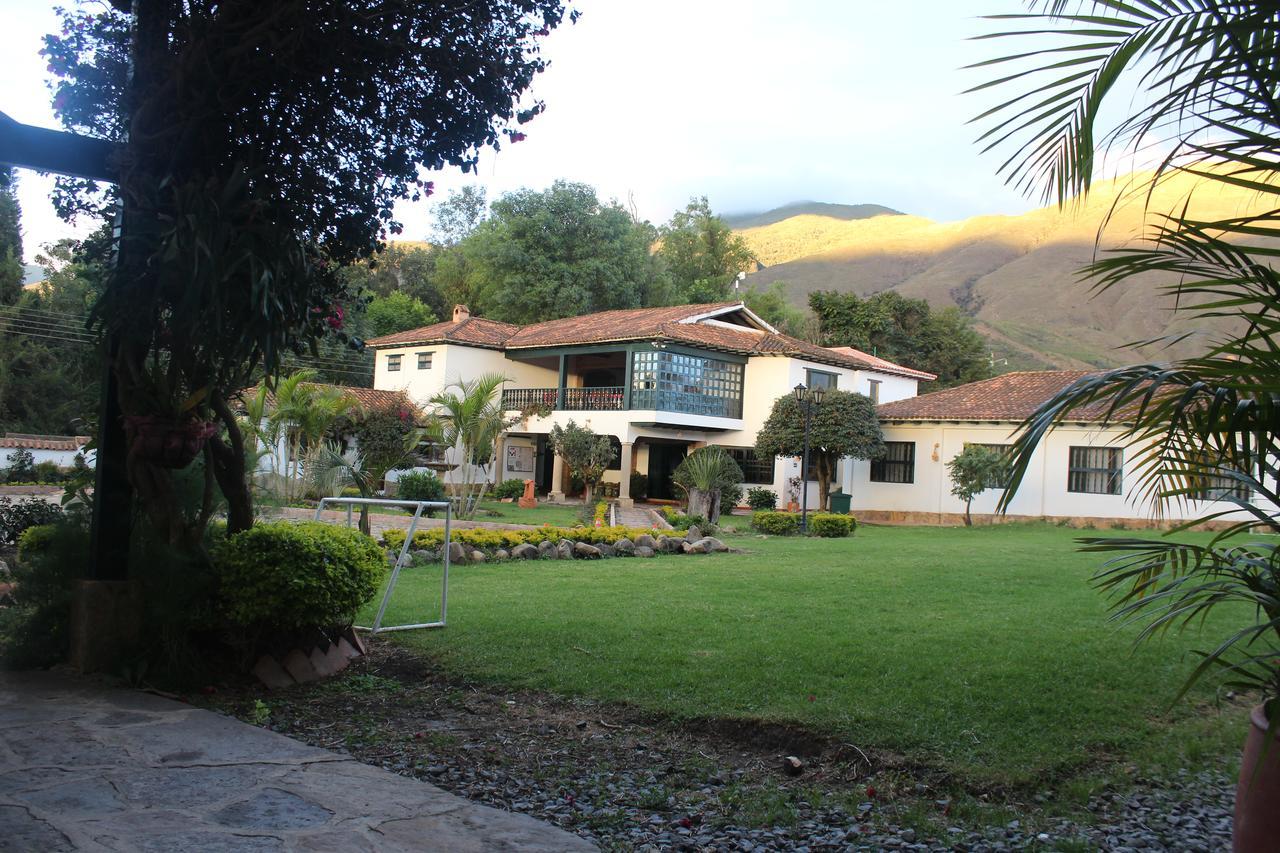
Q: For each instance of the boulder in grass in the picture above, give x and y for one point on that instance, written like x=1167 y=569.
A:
x=624 y=547
x=693 y=534
x=565 y=550
x=457 y=553
x=525 y=551
x=501 y=554
x=670 y=545
x=699 y=547
x=545 y=547
x=643 y=551
x=712 y=545
x=583 y=551
x=605 y=549
x=644 y=540
x=478 y=557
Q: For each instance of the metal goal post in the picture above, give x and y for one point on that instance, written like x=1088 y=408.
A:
x=418 y=508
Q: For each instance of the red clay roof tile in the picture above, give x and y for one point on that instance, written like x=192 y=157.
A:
x=1009 y=397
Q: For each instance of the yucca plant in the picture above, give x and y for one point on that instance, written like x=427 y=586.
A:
x=704 y=475
x=1207 y=75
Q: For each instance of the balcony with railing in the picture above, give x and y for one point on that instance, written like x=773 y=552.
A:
x=610 y=398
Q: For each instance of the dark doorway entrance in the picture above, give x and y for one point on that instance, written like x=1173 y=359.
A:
x=544 y=460
x=663 y=460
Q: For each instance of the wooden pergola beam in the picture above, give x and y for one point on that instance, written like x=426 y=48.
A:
x=56 y=151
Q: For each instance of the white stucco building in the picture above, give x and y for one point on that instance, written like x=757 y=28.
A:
x=659 y=381
x=1081 y=472
x=59 y=449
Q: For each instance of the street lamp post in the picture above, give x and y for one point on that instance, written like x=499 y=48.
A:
x=807 y=398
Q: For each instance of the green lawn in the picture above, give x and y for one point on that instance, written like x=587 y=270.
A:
x=980 y=652
x=567 y=515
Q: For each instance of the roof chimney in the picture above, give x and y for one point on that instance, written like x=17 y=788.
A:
x=460 y=313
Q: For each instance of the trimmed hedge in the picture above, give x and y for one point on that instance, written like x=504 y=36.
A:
x=482 y=538
x=308 y=575
x=509 y=489
x=831 y=525
x=762 y=499
x=776 y=523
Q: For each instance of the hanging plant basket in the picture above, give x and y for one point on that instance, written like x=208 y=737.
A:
x=166 y=442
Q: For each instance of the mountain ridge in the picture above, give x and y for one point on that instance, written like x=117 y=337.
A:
x=844 y=212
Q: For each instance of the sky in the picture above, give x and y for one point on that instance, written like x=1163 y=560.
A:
x=752 y=104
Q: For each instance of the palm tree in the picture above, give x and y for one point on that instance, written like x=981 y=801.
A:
x=303 y=412
x=467 y=416
x=1208 y=73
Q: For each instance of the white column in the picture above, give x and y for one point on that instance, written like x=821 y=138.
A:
x=624 y=485
x=500 y=460
x=556 y=493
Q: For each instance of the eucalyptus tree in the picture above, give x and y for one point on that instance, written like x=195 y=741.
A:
x=1200 y=77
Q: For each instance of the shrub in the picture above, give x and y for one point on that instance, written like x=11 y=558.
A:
x=509 y=489
x=50 y=558
x=36 y=540
x=639 y=486
x=493 y=539
x=289 y=576
x=21 y=468
x=761 y=498
x=830 y=525
x=776 y=523
x=419 y=486
x=48 y=472
x=17 y=517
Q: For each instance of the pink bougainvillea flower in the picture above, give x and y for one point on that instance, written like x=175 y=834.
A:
x=518 y=137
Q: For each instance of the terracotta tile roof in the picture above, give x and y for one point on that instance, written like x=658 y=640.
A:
x=24 y=441
x=1010 y=397
x=370 y=398
x=674 y=323
x=882 y=365
x=474 y=331
x=624 y=324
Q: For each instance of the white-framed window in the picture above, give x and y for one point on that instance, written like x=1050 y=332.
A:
x=424 y=360
x=393 y=362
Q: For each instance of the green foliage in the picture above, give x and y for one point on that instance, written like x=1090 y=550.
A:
x=467 y=417
x=585 y=454
x=397 y=312
x=459 y=215
x=904 y=330
x=1202 y=428
x=639 y=486
x=771 y=305
x=11 y=269
x=50 y=559
x=776 y=523
x=760 y=498
x=509 y=489
x=290 y=576
x=712 y=480
x=974 y=470
x=845 y=424
x=558 y=253
x=830 y=525
x=702 y=254
x=21 y=467
x=16 y=517
x=493 y=539
x=419 y=486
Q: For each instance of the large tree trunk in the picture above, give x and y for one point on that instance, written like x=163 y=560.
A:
x=825 y=470
x=705 y=503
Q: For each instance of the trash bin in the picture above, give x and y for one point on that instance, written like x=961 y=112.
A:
x=839 y=502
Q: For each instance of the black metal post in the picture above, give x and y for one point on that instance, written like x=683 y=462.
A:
x=804 y=469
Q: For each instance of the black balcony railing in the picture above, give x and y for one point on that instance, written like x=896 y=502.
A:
x=608 y=399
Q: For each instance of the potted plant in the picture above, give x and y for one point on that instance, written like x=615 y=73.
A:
x=793 y=494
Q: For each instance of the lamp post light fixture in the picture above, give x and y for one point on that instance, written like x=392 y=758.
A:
x=807 y=398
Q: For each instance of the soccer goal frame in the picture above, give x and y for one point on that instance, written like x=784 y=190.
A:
x=403 y=558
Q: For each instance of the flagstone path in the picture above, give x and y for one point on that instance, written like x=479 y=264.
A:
x=88 y=767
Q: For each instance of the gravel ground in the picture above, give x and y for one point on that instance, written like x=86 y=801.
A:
x=629 y=782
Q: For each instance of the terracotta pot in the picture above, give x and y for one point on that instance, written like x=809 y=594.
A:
x=166 y=442
x=1257 y=821
x=793 y=506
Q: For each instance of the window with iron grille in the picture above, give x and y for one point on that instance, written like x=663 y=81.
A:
x=1211 y=487
x=755 y=470
x=898 y=465
x=393 y=362
x=1096 y=470
x=424 y=360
